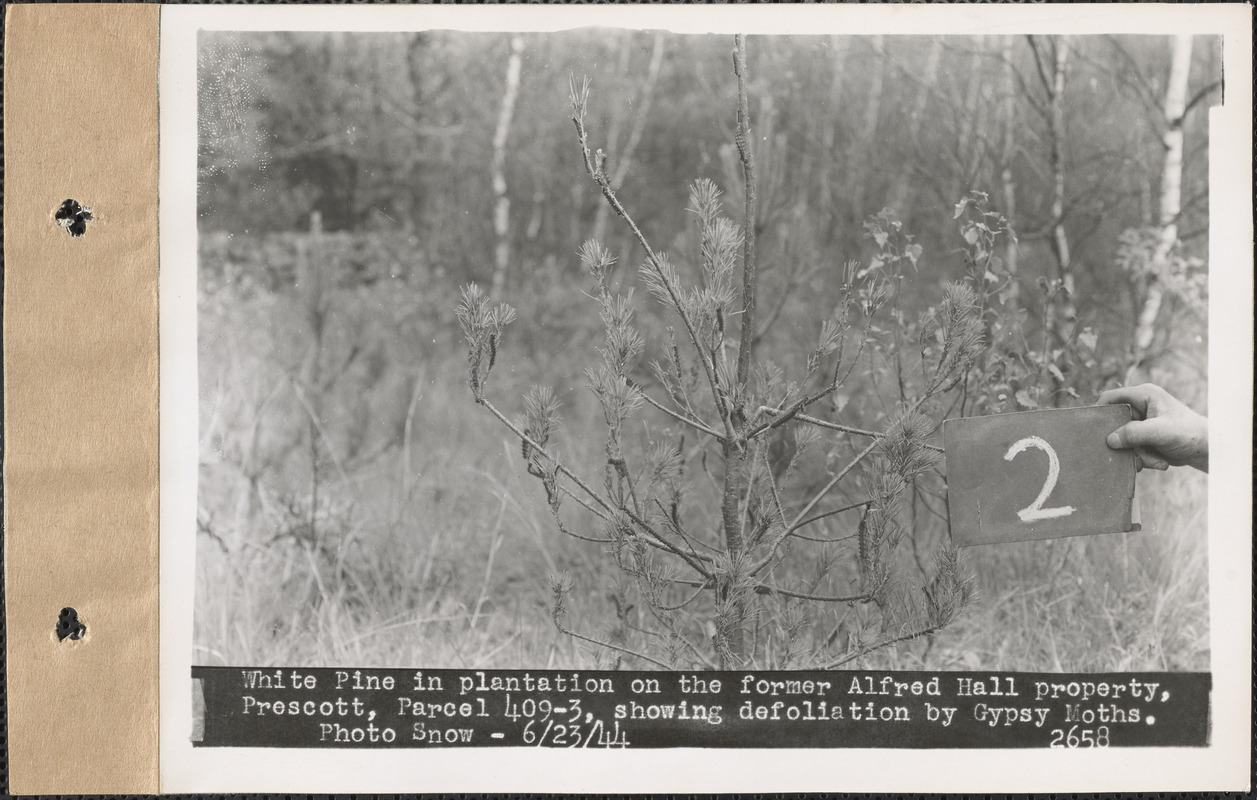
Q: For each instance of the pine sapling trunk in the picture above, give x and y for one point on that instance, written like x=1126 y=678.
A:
x=749 y=278
x=731 y=514
x=735 y=446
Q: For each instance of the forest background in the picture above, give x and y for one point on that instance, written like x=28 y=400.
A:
x=356 y=507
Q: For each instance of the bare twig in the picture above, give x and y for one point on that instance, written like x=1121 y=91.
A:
x=864 y=651
x=836 y=540
x=597 y=498
x=598 y=173
x=693 y=423
x=1038 y=65
x=693 y=561
x=764 y=588
x=797 y=523
x=567 y=531
x=523 y=437
x=819 y=517
x=1201 y=95
x=626 y=651
x=676 y=528
x=671 y=627
x=793 y=280
x=643 y=112
x=494 y=546
x=823 y=423
x=772 y=484
x=600 y=514
x=801 y=404
x=697 y=593
x=318 y=426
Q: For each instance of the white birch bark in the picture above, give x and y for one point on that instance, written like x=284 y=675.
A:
x=502 y=202
x=1060 y=239
x=1171 y=191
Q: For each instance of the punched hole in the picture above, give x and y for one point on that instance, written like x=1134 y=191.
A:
x=74 y=217
x=69 y=626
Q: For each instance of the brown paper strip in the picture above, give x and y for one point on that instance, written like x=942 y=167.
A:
x=80 y=397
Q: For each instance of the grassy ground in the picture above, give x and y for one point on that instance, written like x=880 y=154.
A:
x=437 y=554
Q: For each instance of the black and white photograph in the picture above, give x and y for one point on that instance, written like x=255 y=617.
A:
x=609 y=348
x=482 y=387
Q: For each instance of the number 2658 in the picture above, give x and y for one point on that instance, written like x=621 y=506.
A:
x=1080 y=737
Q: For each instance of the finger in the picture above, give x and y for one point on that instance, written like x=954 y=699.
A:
x=1148 y=459
x=1132 y=396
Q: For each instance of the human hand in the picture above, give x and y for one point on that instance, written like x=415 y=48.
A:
x=1163 y=433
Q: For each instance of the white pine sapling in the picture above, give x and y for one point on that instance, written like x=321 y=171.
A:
x=700 y=518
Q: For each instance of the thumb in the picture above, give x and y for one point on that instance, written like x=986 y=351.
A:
x=1132 y=434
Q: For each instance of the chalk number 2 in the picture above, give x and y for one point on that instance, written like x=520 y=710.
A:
x=1036 y=511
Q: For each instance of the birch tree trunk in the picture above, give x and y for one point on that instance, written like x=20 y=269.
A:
x=502 y=202
x=1171 y=192
x=1067 y=312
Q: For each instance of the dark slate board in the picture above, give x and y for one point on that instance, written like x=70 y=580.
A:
x=998 y=466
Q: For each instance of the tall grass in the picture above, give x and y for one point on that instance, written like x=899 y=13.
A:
x=442 y=548
x=451 y=574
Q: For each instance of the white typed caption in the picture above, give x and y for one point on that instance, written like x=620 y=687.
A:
x=1035 y=510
